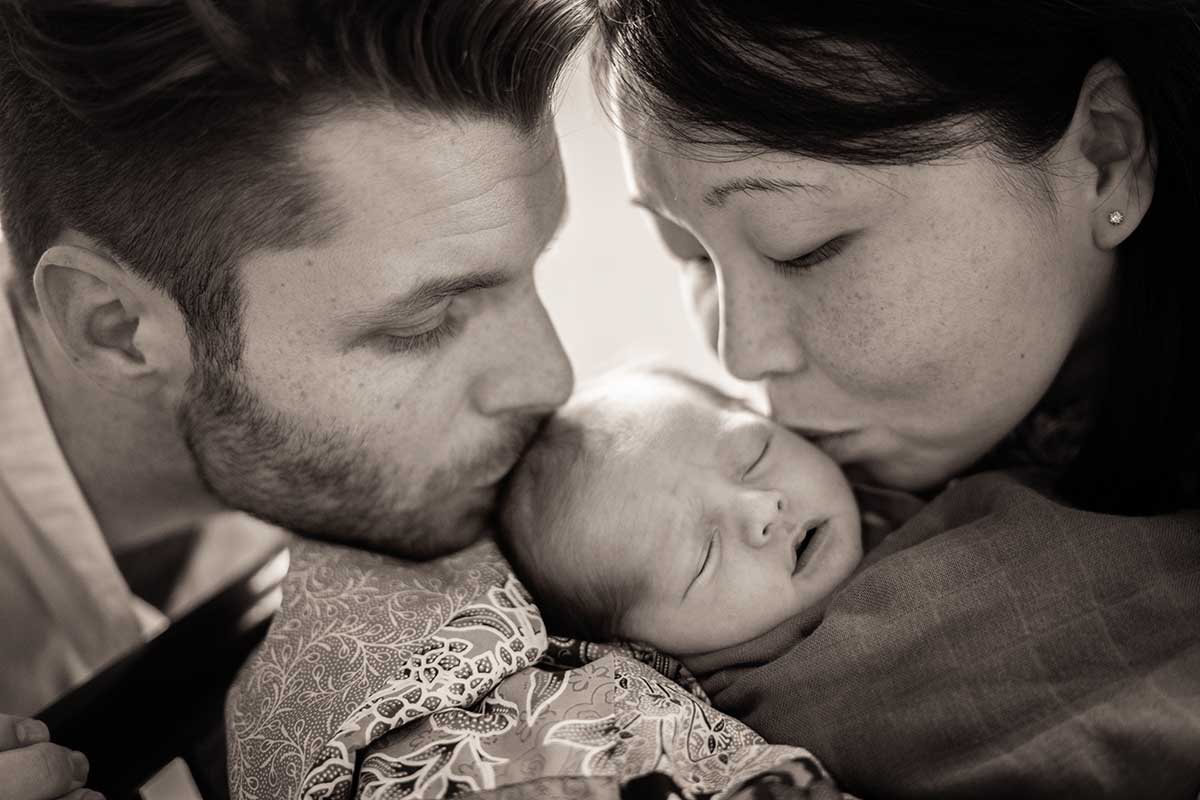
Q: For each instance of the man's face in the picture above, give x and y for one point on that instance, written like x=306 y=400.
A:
x=392 y=375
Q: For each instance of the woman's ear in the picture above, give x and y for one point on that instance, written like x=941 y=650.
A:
x=1117 y=144
x=94 y=314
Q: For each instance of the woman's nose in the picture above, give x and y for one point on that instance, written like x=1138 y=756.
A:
x=761 y=512
x=756 y=338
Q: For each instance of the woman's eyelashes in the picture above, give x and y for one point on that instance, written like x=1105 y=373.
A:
x=702 y=264
x=810 y=259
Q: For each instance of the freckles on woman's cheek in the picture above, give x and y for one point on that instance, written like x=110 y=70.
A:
x=882 y=339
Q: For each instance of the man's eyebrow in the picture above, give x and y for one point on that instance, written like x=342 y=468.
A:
x=717 y=195
x=425 y=295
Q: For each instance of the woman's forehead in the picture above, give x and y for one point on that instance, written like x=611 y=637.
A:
x=667 y=181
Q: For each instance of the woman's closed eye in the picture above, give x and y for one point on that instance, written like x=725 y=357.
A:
x=792 y=266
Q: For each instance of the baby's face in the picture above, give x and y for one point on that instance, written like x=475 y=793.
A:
x=737 y=523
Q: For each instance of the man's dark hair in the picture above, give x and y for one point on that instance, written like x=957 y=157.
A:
x=869 y=83
x=166 y=130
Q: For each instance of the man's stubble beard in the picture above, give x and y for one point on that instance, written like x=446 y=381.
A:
x=326 y=484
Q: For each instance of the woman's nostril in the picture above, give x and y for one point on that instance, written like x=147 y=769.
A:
x=779 y=504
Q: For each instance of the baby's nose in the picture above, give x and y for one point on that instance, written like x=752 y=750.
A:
x=764 y=513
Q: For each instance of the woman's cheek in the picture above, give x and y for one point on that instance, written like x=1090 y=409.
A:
x=873 y=337
x=700 y=296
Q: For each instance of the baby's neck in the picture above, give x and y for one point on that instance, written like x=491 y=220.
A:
x=754 y=652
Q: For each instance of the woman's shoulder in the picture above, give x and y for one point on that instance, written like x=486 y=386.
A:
x=893 y=520
x=1020 y=507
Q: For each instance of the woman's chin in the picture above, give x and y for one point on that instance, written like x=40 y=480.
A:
x=904 y=474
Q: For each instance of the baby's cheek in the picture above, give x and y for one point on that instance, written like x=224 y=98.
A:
x=757 y=603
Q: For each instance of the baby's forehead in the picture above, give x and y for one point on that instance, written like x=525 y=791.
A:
x=639 y=496
x=620 y=522
x=634 y=445
x=628 y=404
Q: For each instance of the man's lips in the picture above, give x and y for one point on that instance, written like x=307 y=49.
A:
x=488 y=471
x=491 y=478
x=480 y=484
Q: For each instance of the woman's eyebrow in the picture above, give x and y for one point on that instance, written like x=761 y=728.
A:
x=717 y=195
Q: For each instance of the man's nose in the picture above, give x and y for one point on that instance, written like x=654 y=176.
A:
x=762 y=514
x=530 y=372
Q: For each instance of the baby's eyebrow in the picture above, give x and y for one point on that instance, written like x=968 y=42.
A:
x=726 y=443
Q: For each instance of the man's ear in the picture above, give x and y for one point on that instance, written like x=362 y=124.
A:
x=1115 y=141
x=92 y=306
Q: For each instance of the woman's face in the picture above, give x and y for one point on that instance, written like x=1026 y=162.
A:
x=905 y=318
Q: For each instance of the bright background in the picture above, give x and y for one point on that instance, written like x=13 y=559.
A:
x=610 y=287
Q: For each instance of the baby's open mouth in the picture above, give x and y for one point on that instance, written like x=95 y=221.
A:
x=802 y=549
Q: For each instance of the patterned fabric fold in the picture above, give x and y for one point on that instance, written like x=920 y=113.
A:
x=387 y=679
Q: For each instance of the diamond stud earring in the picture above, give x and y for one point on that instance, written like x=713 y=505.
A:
x=1115 y=218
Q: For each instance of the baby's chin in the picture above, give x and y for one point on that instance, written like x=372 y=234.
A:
x=797 y=620
x=765 y=644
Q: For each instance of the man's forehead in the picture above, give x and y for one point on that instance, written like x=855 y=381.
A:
x=396 y=167
x=416 y=201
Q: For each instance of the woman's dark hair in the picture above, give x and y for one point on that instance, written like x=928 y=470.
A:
x=167 y=130
x=870 y=83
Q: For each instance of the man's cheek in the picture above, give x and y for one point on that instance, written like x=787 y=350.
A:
x=376 y=385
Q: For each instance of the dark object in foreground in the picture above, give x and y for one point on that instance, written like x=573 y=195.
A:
x=166 y=699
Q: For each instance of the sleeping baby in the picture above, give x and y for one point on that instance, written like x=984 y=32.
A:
x=654 y=508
